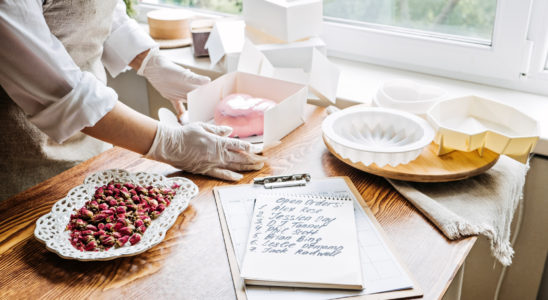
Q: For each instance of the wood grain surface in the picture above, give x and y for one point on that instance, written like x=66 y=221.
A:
x=191 y=263
x=429 y=167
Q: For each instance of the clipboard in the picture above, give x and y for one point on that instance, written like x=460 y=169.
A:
x=299 y=180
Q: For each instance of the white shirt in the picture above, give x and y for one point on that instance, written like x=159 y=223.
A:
x=40 y=76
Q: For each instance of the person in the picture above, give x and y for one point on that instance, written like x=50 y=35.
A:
x=57 y=111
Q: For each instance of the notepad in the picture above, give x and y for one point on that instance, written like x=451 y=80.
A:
x=384 y=275
x=303 y=241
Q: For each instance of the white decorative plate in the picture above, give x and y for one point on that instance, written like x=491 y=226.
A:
x=50 y=228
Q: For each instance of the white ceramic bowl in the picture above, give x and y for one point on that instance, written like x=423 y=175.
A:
x=471 y=122
x=377 y=135
x=408 y=96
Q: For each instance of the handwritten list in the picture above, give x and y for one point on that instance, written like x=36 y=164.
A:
x=303 y=240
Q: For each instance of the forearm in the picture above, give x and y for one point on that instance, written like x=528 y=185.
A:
x=126 y=128
x=135 y=64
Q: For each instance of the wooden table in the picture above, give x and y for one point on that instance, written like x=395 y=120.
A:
x=191 y=263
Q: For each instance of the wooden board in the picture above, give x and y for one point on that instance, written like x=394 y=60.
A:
x=429 y=167
x=239 y=285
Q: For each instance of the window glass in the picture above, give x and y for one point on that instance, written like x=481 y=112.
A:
x=225 y=6
x=468 y=18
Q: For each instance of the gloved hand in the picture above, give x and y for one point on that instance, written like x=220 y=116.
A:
x=205 y=149
x=172 y=81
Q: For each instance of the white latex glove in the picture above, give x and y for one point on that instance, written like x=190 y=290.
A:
x=204 y=149
x=172 y=81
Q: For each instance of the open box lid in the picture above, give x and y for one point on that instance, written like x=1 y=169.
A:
x=226 y=37
x=322 y=78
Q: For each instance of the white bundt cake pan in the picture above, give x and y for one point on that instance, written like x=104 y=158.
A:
x=377 y=135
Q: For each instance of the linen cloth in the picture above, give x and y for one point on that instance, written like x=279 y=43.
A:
x=484 y=204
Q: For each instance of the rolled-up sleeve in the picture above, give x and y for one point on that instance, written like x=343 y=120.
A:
x=40 y=76
x=127 y=39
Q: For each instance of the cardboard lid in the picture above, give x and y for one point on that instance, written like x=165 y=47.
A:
x=322 y=79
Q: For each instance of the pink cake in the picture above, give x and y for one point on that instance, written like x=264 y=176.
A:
x=244 y=113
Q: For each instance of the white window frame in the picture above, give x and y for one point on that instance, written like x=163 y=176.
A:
x=515 y=59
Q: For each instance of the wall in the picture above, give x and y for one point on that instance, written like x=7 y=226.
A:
x=522 y=279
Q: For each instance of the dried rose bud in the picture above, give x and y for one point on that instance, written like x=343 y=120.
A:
x=175 y=185
x=128 y=230
x=139 y=223
x=121 y=241
x=129 y=185
x=117 y=185
x=107 y=240
x=101 y=226
x=160 y=208
x=121 y=210
x=107 y=212
x=91 y=227
x=118 y=226
x=129 y=202
x=126 y=195
x=93 y=205
x=99 y=217
x=99 y=233
x=88 y=238
x=86 y=232
x=86 y=212
x=152 y=203
x=109 y=226
x=141 y=190
x=155 y=214
x=103 y=206
x=142 y=229
x=109 y=219
x=121 y=216
x=136 y=199
x=117 y=235
x=79 y=223
x=90 y=246
x=146 y=220
x=134 y=239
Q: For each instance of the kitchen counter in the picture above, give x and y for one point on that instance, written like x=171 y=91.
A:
x=191 y=262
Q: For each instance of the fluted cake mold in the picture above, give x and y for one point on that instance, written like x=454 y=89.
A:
x=376 y=135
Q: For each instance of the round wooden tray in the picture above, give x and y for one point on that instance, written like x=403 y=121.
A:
x=429 y=167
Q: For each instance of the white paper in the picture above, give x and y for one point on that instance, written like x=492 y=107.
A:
x=303 y=239
x=375 y=255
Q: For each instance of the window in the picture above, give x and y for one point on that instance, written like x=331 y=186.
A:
x=223 y=6
x=463 y=18
x=498 y=42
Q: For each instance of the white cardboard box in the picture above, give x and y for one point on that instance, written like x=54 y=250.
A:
x=227 y=41
x=312 y=68
x=288 y=20
x=278 y=121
